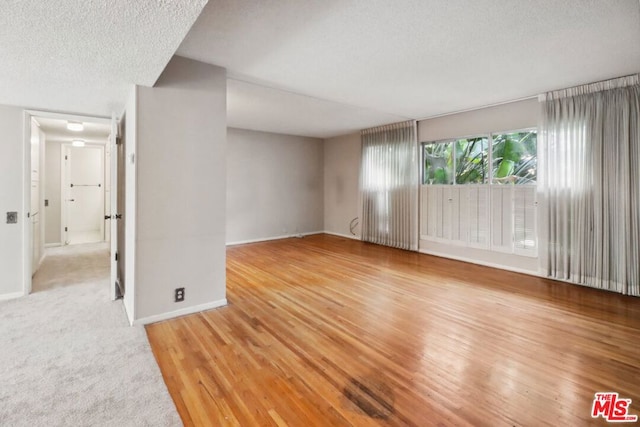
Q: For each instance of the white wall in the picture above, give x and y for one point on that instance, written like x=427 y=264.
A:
x=52 y=193
x=341 y=183
x=130 y=216
x=12 y=177
x=512 y=116
x=274 y=185
x=181 y=191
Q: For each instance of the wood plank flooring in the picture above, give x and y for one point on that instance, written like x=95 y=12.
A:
x=330 y=331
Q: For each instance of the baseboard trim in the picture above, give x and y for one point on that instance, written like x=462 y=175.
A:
x=182 y=312
x=347 y=236
x=12 y=295
x=52 y=245
x=267 y=239
x=40 y=261
x=483 y=263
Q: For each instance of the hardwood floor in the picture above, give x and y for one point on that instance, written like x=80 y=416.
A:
x=329 y=331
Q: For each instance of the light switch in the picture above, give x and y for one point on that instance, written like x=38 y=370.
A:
x=12 y=217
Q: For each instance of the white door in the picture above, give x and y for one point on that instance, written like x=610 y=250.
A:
x=114 y=215
x=34 y=213
x=85 y=195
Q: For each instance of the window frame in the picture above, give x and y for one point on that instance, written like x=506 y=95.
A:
x=489 y=185
x=489 y=136
x=454 y=168
x=422 y=159
x=529 y=129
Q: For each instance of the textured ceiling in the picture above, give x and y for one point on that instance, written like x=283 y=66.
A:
x=56 y=130
x=379 y=59
x=256 y=107
x=82 y=56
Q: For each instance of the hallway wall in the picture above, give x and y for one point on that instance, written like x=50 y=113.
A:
x=181 y=191
x=12 y=251
x=52 y=193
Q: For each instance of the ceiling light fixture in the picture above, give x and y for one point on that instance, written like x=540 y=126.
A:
x=77 y=143
x=75 y=126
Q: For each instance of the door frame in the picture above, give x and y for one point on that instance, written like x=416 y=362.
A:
x=26 y=183
x=114 y=286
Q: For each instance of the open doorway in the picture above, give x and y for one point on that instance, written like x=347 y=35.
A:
x=71 y=202
x=76 y=181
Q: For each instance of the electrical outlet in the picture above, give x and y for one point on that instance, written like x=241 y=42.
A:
x=12 y=217
x=179 y=295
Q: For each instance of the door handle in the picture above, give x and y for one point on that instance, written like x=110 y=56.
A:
x=71 y=200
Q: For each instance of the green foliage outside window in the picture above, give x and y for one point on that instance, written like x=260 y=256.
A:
x=471 y=161
x=438 y=163
x=514 y=160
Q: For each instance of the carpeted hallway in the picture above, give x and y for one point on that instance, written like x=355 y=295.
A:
x=68 y=356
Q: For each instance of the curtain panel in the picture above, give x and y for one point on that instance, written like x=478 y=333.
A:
x=591 y=184
x=389 y=185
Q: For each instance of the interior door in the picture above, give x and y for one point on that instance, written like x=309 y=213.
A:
x=85 y=201
x=113 y=138
x=121 y=192
x=35 y=198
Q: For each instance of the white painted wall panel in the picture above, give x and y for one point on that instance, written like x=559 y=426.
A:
x=478 y=216
x=525 y=214
x=424 y=213
x=455 y=213
x=501 y=218
x=444 y=213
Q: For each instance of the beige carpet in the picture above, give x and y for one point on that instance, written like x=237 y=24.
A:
x=68 y=356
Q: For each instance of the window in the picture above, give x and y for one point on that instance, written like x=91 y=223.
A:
x=480 y=192
x=468 y=157
x=472 y=160
x=514 y=157
x=438 y=163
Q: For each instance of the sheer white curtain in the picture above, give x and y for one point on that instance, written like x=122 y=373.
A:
x=389 y=185
x=590 y=153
